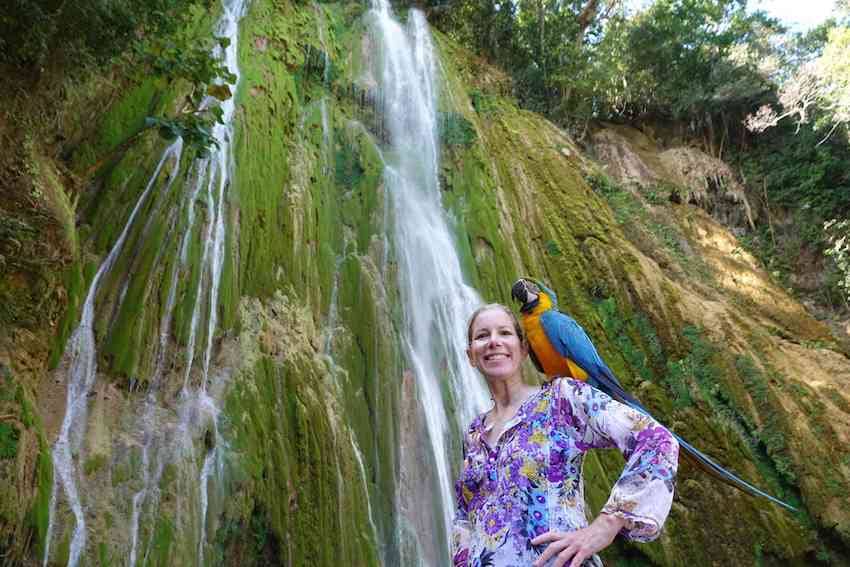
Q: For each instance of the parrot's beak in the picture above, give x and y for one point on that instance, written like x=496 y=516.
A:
x=519 y=292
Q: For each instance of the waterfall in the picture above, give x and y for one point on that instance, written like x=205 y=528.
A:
x=209 y=179
x=437 y=301
x=81 y=354
x=220 y=168
x=320 y=24
x=362 y=467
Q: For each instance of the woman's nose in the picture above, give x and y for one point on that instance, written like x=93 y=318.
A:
x=494 y=339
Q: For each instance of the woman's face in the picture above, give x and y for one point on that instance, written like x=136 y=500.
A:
x=495 y=349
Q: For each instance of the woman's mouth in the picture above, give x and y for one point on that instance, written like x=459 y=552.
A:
x=495 y=356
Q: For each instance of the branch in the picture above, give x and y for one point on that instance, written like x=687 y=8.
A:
x=834 y=126
x=586 y=16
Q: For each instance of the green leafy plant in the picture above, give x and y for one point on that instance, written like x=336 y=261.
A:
x=208 y=76
x=456 y=130
x=838 y=248
x=9 y=436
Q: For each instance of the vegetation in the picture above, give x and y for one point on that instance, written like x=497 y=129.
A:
x=307 y=215
x=586 y=59
x=720 y=73
x=655 y=233
x=32 y=33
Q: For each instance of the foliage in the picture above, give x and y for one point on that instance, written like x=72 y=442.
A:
x=834 y=70
x=817 y=91
x=32 y=31
x=165 y=38
x=839 y=250
x=596 y=59
x=9 y=435
x=798 y=186
x=482 y=102
x=456 y=130
x=184 y=57
x=196 y=63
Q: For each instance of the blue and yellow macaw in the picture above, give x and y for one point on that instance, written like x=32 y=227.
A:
x=559 y=346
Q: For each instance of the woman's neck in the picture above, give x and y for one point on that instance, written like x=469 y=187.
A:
x=510 y=393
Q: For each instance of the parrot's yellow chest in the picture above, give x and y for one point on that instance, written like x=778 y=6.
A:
x=553 y=363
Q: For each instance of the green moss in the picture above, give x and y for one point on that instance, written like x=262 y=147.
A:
x=169 y=475
x=63 y=550
x=455 y=130
x=267 y=119
x=9 y=436
x=281 y=413
x=75 y=289
x=124 y=119
x=94 y=464
x=162 y=543
x=120 y=474
x=137 y=322
x=103 y=555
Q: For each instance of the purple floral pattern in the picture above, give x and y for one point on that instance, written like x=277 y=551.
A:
x=530 y=482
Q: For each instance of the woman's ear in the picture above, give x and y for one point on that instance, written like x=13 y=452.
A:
x=469 y=357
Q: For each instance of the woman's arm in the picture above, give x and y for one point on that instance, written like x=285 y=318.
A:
x=643 y=494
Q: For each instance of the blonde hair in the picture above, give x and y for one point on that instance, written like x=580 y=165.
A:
x=488 y=307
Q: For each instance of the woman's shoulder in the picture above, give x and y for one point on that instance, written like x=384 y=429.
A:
x=567 y=387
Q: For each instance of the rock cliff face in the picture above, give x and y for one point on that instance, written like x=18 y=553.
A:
x=302 y=438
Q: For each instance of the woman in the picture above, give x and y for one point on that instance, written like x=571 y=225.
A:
x=520 y=495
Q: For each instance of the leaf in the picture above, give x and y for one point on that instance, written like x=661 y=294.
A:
x=167 y=132
x=221 y=92
x=218 y=114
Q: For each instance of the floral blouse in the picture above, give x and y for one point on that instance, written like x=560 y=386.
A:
x=531 y=482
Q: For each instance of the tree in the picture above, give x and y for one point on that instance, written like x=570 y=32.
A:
x=818 y=90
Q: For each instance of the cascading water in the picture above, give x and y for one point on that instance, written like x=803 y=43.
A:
x=220 y=168
x=436 y=299
x=162 y=440
x=81 y=354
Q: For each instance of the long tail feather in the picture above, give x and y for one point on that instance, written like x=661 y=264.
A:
x=704 y=462
x=606 y=382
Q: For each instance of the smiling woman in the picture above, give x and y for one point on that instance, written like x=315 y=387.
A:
x=520 y=496
x=496 y=344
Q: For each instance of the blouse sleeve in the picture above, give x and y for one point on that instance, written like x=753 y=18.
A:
x=461 y=528
x=643 y=494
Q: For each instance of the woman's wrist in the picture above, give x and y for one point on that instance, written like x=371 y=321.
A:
x=612 y=522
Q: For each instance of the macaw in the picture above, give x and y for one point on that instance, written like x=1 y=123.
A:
x=559 y=346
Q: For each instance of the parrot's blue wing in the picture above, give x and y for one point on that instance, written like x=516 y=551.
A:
x=571 y=341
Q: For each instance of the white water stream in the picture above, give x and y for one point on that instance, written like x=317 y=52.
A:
x=81 y=354
x=211 y=175
x=436 y=298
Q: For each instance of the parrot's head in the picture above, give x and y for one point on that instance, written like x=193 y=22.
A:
x=527 y=292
